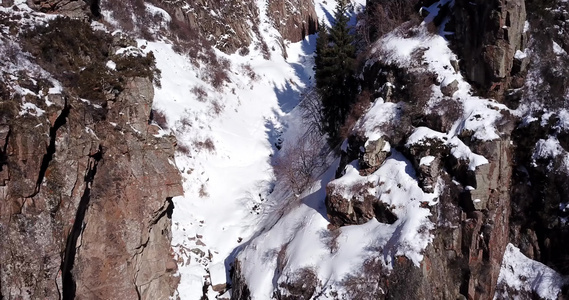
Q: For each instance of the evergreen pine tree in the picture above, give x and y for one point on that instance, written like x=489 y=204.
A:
x=334 y=63
x=322 y=59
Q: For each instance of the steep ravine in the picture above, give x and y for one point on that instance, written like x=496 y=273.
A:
x=457 y=163
x=87 y=177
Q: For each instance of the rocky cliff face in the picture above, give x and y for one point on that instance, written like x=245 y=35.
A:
x=482 y=209
x=71 y=8
x=487 y=36
x=86 y=184
x=293 y=19
x=228 y=25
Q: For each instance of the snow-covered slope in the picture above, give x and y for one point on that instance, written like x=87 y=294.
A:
x=230 y=138
x=228 y=135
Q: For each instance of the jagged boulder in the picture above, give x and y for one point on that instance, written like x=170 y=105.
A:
x=351 y=200
x=449 y=88
x=349 y=208
x=374 y=154
x=428 y=157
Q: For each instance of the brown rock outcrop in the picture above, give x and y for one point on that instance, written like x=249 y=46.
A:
x=294 y=19
x=78 y=9
x=128 y=207
x=349 y=205
x=487 y=36
x=357 y=210
x=374 y=154
x=85 y=190
x=225 y=21
x=95 y=222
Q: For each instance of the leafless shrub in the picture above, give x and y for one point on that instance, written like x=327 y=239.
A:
x=203 y=192
x=381 y=17
x=184 y=149
x=200 y=93
x=369 y=283
x=159 y=118
x=216 y=107
x=330 y=237
x=300 y=162
x=249 y=72
x=207 y=144
x=224 y=63
x=217 y=76
x=243 y=51
x=311 y=107
x=217 y=67
x=185 y=122
x=122 y=12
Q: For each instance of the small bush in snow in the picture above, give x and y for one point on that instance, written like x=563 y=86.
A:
x=200 y=93
x=249 y=72
x=300 y=162
x=207 y=144
x=216 y=107
x=184 y=149
x=203 y=192
x=217 y=76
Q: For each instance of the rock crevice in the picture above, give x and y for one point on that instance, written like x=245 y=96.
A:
x=68 y=260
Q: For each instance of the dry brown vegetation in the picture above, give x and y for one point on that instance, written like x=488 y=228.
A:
x=76 y=55
x=249 y=72
x=301 y=287
x=369 y=283
x=200 y=93
x=206 y=144
x=382 y=16
x=184 y=149
x=133 y=17
x=311 y=107
x=357 y=110
x=216 y=107
x=203 y=192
